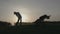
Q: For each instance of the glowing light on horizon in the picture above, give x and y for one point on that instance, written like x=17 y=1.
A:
x=24 y=18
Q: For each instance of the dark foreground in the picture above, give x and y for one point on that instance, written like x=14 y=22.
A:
x=31 y=29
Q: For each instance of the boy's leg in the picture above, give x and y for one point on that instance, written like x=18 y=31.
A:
x=17 y=22
x=21 y=21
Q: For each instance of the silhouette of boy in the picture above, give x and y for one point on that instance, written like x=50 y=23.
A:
x=44 y=17
x=19 y=18
x=41 y=19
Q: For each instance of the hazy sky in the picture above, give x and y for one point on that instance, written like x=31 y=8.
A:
x=29 y=9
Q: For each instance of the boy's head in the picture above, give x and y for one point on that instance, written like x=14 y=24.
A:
x=48 y=17
x=15 y=12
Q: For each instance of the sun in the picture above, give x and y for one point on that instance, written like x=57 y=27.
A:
x=24 y=18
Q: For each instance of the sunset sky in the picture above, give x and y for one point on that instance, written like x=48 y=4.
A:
x=29 y=9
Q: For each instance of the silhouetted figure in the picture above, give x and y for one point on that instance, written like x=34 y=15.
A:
x=41 y=19
x=19 y=21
